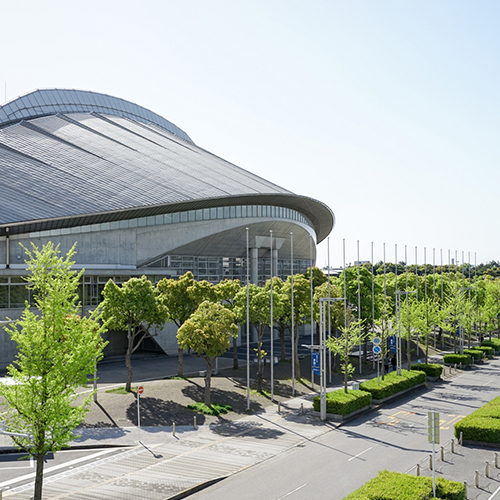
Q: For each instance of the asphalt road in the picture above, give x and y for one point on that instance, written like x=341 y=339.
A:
x=393 y=437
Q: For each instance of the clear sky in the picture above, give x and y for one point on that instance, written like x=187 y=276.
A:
x=388 y=111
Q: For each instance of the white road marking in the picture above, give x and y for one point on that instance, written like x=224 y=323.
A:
x=359 y=454
x=293 y=491
x=56 y=467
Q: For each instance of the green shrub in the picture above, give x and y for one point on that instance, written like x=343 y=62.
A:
x=453 y=359
x=483 y=425
x=213 y=409
x=475 y=353
x=430 y=369
x=488 y=350
x=395 y=485
x=494 y=342
x=340 y=403
x=393 y=383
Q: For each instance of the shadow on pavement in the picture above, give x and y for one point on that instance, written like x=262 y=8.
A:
x=247 y=429
x=157 y=412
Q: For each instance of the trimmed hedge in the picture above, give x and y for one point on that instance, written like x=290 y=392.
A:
x=430 y=369
x=393 y=383
x=453 y=359
x=475 y=353
x=396 y=485
x=494 y=342
x=340 y=403
x=483 y=425
x=488 y=350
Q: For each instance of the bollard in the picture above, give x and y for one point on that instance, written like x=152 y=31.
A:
x=496 y=460
x=442 y=454
x=418 y=469
x=302 y=408
x=194 y=422
x=455 y=368
x=476 y=479
x=173 y=429
x=279 y=406
x=461 y=440
x=460 y=365
x=487 y=469
x=430 y=462
x=465 y=489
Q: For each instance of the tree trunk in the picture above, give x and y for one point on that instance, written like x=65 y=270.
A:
x=208 y=379
x=180 y=369
x=235 y=354
x=260 y=364
x=408 y=353
x=128 y=359
x=37 y=495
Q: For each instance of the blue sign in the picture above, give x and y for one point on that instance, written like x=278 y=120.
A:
x=392 y=343
x=315 y=363
x=376 y=349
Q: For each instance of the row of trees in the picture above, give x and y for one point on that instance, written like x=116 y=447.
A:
x=431 y=304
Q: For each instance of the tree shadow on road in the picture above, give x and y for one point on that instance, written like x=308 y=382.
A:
x=247 y=429
x=157 y=412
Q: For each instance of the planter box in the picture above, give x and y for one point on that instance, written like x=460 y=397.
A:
x=398 y=394
x=335 y=417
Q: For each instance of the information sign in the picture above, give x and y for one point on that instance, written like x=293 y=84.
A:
x=315 y=363
x=392 y=343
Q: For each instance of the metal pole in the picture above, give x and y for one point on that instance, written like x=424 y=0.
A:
x=293 y=314
x=329 y=312
x=373 y=308
x=312 y=317
x=248 y=326
x=322 y=361
x=139 y=414
x=359 y=313
x=272 y=320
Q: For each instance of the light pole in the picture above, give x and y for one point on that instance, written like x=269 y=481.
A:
x=272 y=320
x=248 y=327
x=293 y=313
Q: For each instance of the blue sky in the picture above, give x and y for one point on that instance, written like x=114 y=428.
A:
x=387 y=111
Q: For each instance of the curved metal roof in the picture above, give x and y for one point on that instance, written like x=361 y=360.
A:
x=52 y=101
x=84 y=167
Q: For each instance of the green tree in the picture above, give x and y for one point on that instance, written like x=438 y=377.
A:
x=181 y=298
x=208 y=332
x=132 y=307
x=57 y=351
x=226 y=292
x=350 y=336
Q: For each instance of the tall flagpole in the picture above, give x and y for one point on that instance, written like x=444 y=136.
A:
x=329 y=312
x=312 y=317
x=272 y=320
x=293 y=314
x=359 y=314
x=248 y=327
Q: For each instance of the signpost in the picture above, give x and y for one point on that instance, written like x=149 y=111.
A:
x=140 y=390
x=377 y=350
x=433 y=437
x=315 y=363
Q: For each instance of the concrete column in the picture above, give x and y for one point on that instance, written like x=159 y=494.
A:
x=254 y=265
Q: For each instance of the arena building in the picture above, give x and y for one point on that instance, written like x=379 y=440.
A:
x=139 y=197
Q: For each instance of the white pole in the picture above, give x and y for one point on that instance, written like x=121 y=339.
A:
x=293 y=313
x=248 y=326
x=139 y=414
x=373 y=310
x=329 y=312
x=272 y=320
x=312 y=317
x=359 y=314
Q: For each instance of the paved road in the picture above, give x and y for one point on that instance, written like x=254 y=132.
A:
x=268 y=455
x=393 y=437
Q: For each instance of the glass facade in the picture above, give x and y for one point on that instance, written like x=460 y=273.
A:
x=234 y=212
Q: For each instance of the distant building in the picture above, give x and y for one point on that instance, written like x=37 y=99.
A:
x=139 y=197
